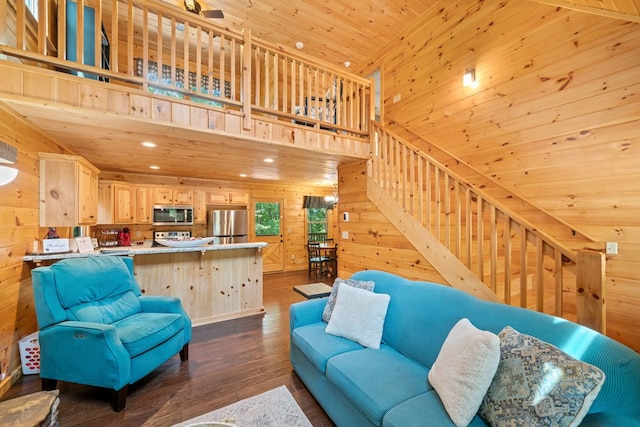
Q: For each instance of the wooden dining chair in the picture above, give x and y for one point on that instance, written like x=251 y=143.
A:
x=317 y=261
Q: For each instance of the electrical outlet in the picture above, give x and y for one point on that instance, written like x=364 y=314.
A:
x=611 y=248
x=397 y=97
x=345 y=234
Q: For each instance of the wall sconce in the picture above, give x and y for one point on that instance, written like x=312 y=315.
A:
x=8 y=154
x=469 y=78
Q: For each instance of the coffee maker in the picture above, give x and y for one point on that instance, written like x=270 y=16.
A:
x=124 y=237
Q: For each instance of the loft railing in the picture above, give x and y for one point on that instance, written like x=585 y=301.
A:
x=161 y=48
x=521 y=264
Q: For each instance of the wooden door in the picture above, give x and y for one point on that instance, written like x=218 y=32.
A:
x=266 y=226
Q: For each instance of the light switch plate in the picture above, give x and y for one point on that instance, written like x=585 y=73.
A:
x=345 y=234
x=612 y=248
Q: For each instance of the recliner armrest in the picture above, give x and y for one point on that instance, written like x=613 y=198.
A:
x=161 y=304
x=90 y=348
x=306 y=312
x=166 y=304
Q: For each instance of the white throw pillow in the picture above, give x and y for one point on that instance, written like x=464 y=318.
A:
x=359 y=316
x=463 y=370
x=331 y=302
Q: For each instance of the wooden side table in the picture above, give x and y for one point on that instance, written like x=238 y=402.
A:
x=313 y=290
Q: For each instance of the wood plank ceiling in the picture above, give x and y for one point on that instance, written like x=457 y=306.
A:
x=333 y=30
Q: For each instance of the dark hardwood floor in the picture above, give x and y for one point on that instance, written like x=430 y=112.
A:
x=228 y=361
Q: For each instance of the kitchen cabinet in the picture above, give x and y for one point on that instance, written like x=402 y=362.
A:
x=143 y=205
x=117 y=203
x=171 y=196
x=68 y=191
x=199 y=207
x=225 y=197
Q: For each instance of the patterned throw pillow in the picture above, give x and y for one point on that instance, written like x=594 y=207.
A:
x=331 y=302
x=538 y=384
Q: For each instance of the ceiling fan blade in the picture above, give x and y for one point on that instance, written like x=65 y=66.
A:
x=212 y=14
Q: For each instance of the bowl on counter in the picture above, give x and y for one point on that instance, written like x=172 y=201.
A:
x=185 y=243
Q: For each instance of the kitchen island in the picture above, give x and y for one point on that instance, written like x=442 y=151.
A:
x=214 y=282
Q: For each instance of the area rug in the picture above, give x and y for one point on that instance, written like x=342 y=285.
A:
x=274 y=408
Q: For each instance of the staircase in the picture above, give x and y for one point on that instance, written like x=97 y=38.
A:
x=481 y=245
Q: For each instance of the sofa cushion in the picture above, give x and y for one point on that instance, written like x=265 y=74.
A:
x=359 y=316
x=331 y=301
x=376 y=380
x=538 y=384
x=464 y=369
x=425 y=406
x=144 y=331
x=318 y=346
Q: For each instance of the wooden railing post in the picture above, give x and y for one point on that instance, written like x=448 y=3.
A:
x=590 y=298
x=246 y=80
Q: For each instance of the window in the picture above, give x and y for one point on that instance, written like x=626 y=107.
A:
x=32 y=6
x=267 y=219
x=317 y=224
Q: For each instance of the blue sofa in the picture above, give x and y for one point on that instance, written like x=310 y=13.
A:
x=360 y=386
x=97 y=329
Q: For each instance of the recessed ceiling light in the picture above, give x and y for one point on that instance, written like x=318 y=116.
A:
x=347 y=64
x=149 y=144
x=299 y=45
x=243 y=175
x=268 y=160
x=154 y=167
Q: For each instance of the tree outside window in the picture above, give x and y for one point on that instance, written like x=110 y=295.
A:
x=267 y=219
x=316 y=223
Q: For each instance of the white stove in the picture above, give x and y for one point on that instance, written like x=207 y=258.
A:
x=169 y=235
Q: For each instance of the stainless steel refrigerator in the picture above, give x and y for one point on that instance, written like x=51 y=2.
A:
x=228 y=226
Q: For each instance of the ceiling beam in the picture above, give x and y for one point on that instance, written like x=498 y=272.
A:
x=593 y=10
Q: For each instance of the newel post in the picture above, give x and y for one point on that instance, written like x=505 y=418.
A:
x=590 y=295
x=246 y=79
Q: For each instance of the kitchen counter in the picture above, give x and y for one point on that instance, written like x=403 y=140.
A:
x=141 y=250
x=213 y=282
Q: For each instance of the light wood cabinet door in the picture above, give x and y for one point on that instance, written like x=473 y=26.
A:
x=226 y=197
x=87 y=195
x=199 y=207
x=238 y=198
x=68 y=191
x=182 y=197
x=217 y=197
x=171 y=196
x=143 y=205
x=162 y=196
x=124 y=197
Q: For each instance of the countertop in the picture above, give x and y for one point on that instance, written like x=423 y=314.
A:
x=143 y=250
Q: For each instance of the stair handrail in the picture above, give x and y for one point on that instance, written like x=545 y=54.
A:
x=390 y=161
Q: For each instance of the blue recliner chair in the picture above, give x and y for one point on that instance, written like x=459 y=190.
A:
x=97 y=329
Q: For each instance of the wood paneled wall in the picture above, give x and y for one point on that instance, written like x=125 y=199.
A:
x=18 y=229
x=373 y=243
x=554 y=116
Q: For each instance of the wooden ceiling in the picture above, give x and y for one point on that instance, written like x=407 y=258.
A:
x=333 y=30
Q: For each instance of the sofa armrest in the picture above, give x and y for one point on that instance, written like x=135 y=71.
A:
x=608 y=419
x=306 y=312
x=89 y=345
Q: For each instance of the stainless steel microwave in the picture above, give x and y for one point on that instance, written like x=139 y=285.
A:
x=172 y=215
